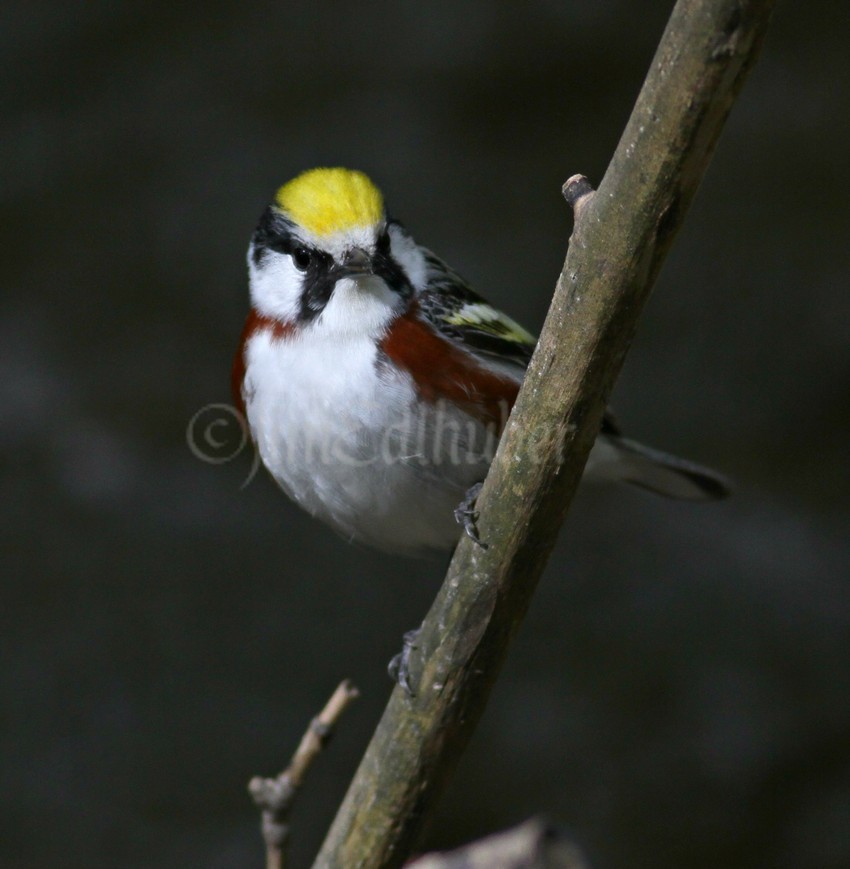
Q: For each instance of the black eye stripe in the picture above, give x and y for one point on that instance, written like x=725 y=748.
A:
x=270 y=227
x=274 y=232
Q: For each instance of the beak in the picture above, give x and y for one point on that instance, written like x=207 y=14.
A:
x=355 y=262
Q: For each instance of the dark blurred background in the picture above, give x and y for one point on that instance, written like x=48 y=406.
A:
x=679 y=695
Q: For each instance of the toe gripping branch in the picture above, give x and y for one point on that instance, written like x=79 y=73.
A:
x=399 y=666
x=467 y=516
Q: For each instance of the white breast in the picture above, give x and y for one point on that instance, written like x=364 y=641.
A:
x=345 y=437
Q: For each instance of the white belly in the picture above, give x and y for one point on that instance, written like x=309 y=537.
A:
x=347 y=440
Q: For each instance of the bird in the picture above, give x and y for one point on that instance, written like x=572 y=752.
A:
x=374 y=382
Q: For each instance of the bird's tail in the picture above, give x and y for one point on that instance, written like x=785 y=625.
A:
x=664 y=474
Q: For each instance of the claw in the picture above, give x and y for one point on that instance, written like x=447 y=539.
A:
x=399 y=666
x=467 y=515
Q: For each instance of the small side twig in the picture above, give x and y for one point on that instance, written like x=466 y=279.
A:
x=275 y=796
x=576 y=190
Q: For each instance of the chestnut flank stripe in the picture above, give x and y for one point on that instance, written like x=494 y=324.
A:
x=441 y=370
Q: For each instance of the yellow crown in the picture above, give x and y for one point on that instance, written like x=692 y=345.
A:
x=325 y=201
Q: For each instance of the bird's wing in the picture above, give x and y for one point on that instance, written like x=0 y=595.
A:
x=453 y=308
x=456 y=311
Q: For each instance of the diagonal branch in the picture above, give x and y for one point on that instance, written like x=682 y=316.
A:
x=621 y=236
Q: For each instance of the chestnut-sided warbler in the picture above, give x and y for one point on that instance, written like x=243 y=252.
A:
x=375 y=382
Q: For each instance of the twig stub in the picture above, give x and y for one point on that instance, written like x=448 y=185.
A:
x=575 y=189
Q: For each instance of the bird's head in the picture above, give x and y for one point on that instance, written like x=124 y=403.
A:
x=325 y=256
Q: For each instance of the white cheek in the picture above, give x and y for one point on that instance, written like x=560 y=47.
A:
x=406 y=253
x=275 y=285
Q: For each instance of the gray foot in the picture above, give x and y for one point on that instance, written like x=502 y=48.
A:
x=399 y=666
x=467 y=515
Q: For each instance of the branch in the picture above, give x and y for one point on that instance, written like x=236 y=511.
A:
x=275 y=796
x=621 y=236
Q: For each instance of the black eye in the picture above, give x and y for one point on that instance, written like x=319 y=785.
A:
x=383 y=244
x=302 y=258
